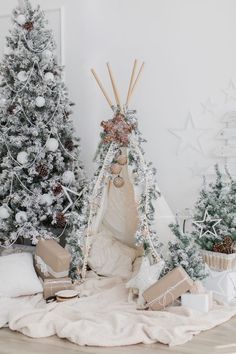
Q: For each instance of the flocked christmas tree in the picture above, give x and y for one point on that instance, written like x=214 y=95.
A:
x=40 y=175
x=215 y=215
x=185 y=252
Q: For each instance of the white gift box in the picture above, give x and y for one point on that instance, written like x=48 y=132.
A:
x=200 y=302
x=222 y=284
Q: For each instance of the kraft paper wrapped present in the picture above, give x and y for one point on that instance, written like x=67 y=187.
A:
x=51 y=260
x=52 y=286
x=166 y=290
x=200 y=302
x=222 y=284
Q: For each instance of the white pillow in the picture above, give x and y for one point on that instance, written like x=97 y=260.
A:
x=17 y=275
x=109 y=257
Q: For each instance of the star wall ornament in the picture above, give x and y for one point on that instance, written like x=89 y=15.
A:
x=208 y=106
x=230 y=91
x=207 y=219
x=189 y=136
x=71 y=203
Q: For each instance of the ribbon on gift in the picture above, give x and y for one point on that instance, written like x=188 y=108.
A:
x=47 y=270
x=161 y=299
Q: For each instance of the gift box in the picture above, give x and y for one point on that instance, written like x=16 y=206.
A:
x=166 y=290
x=200 y=302
x=51 y=260
x=222 y=284
x=219 y=261
x=52 y=286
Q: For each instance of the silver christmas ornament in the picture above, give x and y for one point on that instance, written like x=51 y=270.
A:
x=22 y=157
x=46 y=199
x=68 y=177
x=49 y=77
x=2 y=102
x=4 y=213
x=40 y=101
x=21 y=217
x=8 y=51
x=52 y=144
x=21 y=19
x=47 y=54
x=22 y=76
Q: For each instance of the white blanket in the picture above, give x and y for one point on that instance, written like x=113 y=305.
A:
x=104 y=317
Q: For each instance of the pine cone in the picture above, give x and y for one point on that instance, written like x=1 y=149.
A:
x=69 y=145
x=28 y=26
x=60 y=220
x=42 y=170
x=57 y=189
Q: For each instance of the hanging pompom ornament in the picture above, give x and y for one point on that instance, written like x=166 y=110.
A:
x=52 y=144
x=46 y=199
x=118 y=182
x=122 y=160
x=116 y=169
x=49 y=77
x=21 y=217
x=22 y=157
x=21 y=19
x=40 y=101
x=68 y=177
x=4 y=213
x=47 y=54
x=22 y=76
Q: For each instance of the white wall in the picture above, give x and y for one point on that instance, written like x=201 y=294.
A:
x=189 y=47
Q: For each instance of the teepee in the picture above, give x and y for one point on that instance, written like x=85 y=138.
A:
x=124 y=199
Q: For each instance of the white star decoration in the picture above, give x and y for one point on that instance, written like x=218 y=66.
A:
x=201 y=224
x=189 y=136
x=208 y=106
x=230 y=92
x=146 y=276
x=71 y=203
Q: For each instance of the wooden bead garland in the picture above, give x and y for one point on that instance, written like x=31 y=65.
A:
x=116 y=168
x=122 y=160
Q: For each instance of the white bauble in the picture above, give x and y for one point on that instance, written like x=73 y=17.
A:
x=40 y=101
x=47 y=54
x=68 y=177
x=22 y=76
x=49 y=77
x=52 y=144
x=21 y=19
x=8 y=51
x=22 y=157
x=4 y=213
x=21 y=217
x=46 y=199
x=2 y=101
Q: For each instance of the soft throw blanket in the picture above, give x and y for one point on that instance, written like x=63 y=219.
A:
x=104 y=317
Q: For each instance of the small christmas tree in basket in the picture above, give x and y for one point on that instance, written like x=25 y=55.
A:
x=215 y=222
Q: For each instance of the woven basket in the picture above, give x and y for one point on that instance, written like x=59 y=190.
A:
x=219 y=261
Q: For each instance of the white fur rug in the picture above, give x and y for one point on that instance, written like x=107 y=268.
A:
x=104 y=317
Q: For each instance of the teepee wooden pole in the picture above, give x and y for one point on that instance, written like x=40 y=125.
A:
x=131 y=82
x=101 y=87
x=115 y=90
x=136 y=80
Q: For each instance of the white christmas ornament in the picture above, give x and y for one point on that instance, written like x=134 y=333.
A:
x=68 y=177
x=47 y=54
x=147 y=275
x=52 y=144
x=21 y=217
x=22 y=157
x=46 y=199
x=8 y=50
x=2 y=102
x=21 y=19
x=207 y=219
x=22 y=76
x=4 y=213
x=40 y=101
x=49 y=77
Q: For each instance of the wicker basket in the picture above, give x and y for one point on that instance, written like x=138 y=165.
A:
x=219 y=261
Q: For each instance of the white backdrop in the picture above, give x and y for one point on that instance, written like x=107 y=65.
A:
x=189 y=47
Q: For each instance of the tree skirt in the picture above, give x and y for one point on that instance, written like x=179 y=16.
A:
x=104 y=317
